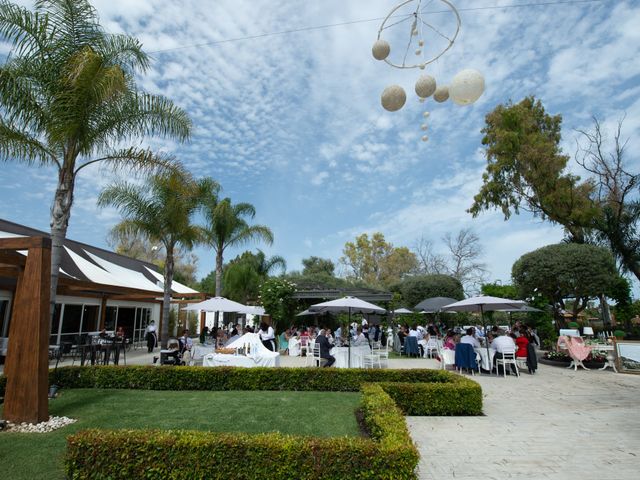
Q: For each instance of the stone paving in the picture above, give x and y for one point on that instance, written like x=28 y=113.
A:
x=556 y=424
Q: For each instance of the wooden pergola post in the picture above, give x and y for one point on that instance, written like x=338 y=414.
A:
x=27 y=363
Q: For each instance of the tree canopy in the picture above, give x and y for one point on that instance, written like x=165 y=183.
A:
x=566 y=271
x=420 y=287
x=316 y=265
x=376 y=261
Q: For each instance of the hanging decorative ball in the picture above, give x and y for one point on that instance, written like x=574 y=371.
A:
x=421 y=43
x=381 y=49
x=422 y=67
x=393 y=98
x=467 y=87
x=425 y=86
x=421 y=100
x=441 y=94
x=425 y=138
x=424 y=126
x=418 y=52
x=426 y=114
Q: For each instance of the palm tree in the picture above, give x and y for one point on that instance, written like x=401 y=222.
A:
x=68 y=99
x=225 y=227
x=244 y=274
x=160 y=211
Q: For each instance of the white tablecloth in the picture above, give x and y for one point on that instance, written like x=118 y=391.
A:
x=342 y=356
x=294 y=347
x=199 y=351
x=487 y=360
x=223 y=360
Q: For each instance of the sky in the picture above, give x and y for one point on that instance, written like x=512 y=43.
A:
x=292 y=123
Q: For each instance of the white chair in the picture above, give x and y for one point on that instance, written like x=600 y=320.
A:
x=304 y=345
x=431 y=348
x=382 y=354
x=447 y=358
x=508 y=358
x=315 y=358
x=370 y=360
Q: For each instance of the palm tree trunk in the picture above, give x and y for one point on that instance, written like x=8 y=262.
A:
x=166 y=300
x=219 y=273
x=60 y=214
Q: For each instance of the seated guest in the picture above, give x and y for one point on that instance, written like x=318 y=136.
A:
x=432 y=330
x=449 y=341
x=503 y=343
x=402 y=333
x=470 y=338
x=522 y=342
x=325 y=347
x=359 y=338
x=413 y=331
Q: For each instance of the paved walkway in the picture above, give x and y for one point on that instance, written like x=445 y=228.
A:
x=556 y=424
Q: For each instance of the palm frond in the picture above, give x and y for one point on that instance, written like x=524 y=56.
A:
x=251 y=233
x=244 y=210
x=16 y=144
x=125 y=51
x=135 y=159
x=21 y=96
x=27 y=31
x=73 y=23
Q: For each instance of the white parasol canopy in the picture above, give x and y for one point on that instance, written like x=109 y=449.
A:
x=346 y=304
x=218 y=304
x=401 y=311
x=253 y=310
x=484 y=304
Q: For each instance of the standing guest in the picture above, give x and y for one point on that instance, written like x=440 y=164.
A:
x=203 y=335
x=325 y=347
x=234 y=330
x=522 y=343
x=152 y=336
x=186 y=343
x=268 y=336
x=120 y=332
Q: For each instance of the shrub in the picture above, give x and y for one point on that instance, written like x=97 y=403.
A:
x=619 y=334
x=151 y=454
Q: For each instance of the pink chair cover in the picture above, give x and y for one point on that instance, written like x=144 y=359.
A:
x=577 y=349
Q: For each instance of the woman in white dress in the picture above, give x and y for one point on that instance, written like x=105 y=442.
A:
x=268 y=336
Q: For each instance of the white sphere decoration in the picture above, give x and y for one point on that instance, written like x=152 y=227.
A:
x=425 y=86
x=421 y=43
x=418 y=52
x=425 y=138
x=393 y=98
x=424 y=126
x=426 y=114
x=441 y=94
x=421 y=100
x=466 y=87
x=422 y=66
x=381 y=49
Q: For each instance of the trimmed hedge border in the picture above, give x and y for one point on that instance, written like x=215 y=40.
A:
x=387 y=395
x=390 y=454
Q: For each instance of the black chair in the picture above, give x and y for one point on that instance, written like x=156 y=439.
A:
x=411 y=346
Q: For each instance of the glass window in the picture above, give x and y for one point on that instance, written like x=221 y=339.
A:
x=91 y=318
x=55 y=325
x=4 y=318
x=71 y=318
x=110 y=318
x=126 y=317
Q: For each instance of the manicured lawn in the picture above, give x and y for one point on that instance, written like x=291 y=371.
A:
x=38 y=456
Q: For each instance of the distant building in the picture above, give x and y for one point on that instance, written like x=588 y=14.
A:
x=97 y=289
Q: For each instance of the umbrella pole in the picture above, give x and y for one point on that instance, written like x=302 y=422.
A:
x=486 y=339
x=349 y=333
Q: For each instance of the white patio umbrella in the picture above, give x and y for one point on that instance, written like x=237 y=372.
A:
x=483 y=304
x=347 y=304
x=218 y=304
x=402 y=311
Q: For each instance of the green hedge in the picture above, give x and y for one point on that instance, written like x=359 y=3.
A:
x=459 y=397
x=230 y=378
x=150 y=454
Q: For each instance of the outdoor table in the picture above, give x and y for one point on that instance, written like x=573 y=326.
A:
x=199 y=351
x=341 y=355
x=605 y=347
x=486 y=360
x=225 y=360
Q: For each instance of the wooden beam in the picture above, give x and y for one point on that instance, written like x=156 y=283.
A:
x=24 y=243
x=10 y=257
x=27 y=364
x=12 y=271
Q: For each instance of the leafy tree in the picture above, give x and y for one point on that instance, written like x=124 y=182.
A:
x=420 y=287
x=317 y=265
x=244 y=274
x=276 y=295
x=160 y=211
x=500 y=291
x=377 y=262
x=566 y=271
x=68 y=99
x=226 y=227
x=526 y=169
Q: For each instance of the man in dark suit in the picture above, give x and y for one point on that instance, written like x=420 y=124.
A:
x=325 y=347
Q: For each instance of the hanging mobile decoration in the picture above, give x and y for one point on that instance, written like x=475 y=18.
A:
x=465 y=88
